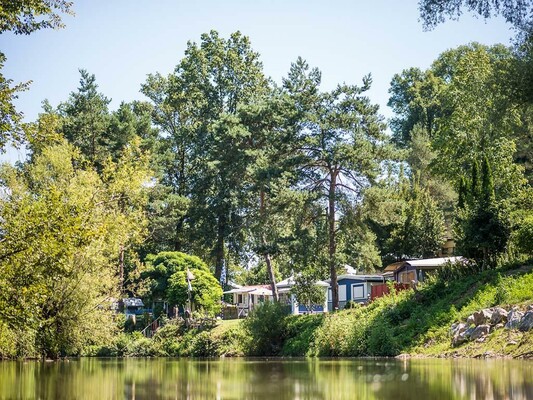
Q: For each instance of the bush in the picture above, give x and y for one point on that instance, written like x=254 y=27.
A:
x=524 y=236
x=300 y=331
x=266 y=325
x=203 y=345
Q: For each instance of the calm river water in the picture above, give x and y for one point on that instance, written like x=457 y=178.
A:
x=275 y=379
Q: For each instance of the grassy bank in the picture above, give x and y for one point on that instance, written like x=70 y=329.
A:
x=410 y=322
x=416 y=323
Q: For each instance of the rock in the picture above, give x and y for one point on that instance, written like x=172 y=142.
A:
x=511 y=343
x=498 y=326
x=479 y=332
x=458 y=334
x=457 y=328
x=526 y=324
x=498 y=315
x=513 y=318
x=530 y=307
x=468 y=332
x=482 y=317
x=470 y=320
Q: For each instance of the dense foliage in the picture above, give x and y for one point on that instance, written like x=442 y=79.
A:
x=224 y=176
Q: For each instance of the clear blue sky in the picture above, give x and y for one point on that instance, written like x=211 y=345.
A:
x=121 y=41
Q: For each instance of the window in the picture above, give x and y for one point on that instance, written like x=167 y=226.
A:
x=239 y=299
x=407 y=277
x=342 y=292
x=358 y=292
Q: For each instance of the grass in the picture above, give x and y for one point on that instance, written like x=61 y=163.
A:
x=409 y=322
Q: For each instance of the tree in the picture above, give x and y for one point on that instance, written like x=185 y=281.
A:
x=483 y=226
x=11 y=126
x=516 y=12
x=87 y=120
x=473 y=112
x=167 y=275
x=272 y=174
x=357 y=243
x=306 y=290
x=205 y=291
x=524 y=236
x=342 y=144
x=197 y=106
x=423 y=230
x=26 y=16
x=22 y=17
x=61 y=233
x=416 y=101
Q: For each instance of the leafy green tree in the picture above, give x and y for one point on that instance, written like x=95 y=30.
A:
x=342 y=144
x=175 y=116
x=87 y=120
x=473 y=113
x=306 y=290
x=26 y=16
x=483 y=225
x=516 y=12
x=422 y=233
x=357 y=242
x=162 y=266
x=62 y=230
x=196 y=106
x=272 y=175
x=205 y=291
x=416 y=101
x=166 y=273
x=12 y=128
x=524 y=236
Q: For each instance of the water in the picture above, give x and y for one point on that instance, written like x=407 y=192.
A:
x=274 y=379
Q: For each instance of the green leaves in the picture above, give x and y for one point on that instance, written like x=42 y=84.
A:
x=62 y=230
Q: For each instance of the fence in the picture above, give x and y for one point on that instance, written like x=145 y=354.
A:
x=383 y=289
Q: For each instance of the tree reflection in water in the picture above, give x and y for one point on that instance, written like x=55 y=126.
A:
x=277 y=379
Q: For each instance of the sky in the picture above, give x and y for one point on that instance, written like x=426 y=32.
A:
x=122 y=41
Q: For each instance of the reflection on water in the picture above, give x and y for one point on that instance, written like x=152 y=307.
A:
x=267 y=379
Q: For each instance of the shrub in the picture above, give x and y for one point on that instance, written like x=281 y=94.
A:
x=266 y=325
x=203 y=345
x=524 y=236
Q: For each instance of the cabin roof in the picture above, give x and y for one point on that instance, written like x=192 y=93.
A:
x=423 y=263
x=133 y=302
x=361 y=277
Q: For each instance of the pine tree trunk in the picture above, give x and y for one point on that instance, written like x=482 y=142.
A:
x=220 y=254
x=272 y=277
x=177 y=241
x=332 y=243
x=268 y=261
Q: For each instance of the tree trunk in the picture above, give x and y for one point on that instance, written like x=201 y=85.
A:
x=271 y=275
x=220 y=253
x=268 y=261
x=332 y=243
x=121 y=269
x=179 y=228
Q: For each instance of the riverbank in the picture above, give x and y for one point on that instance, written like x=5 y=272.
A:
x=410 y=323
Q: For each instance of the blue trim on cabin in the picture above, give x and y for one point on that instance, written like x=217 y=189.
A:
x=302 y=309
x=349 y=284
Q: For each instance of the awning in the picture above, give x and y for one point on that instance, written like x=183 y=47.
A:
x=261 y=292
x=240 y=290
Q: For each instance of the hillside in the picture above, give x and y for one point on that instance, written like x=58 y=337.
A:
x=410 y=323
